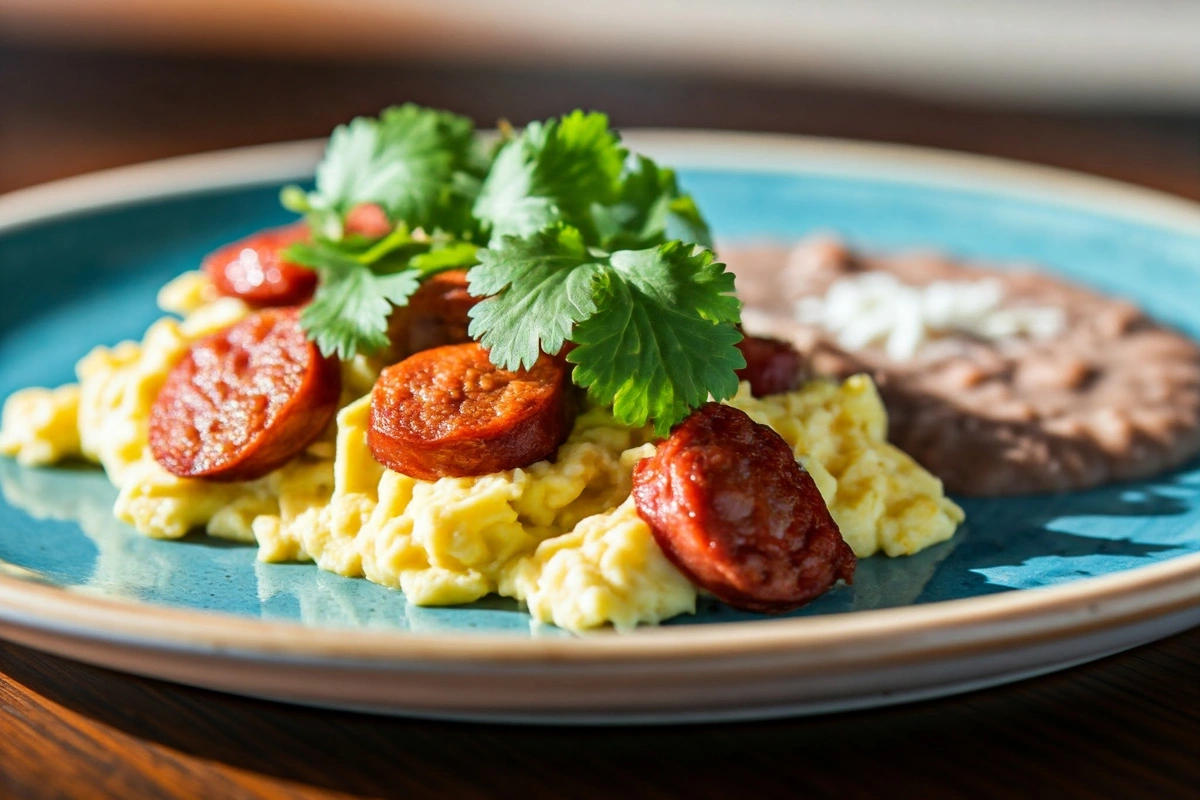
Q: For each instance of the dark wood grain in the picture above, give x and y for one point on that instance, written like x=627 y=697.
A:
x=1128 y=726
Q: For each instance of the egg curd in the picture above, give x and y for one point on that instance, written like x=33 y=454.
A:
x=563 y=537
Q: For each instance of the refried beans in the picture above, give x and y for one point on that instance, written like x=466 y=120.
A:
x=1110 y=396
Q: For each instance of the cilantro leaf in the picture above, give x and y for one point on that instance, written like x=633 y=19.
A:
x=649 y=211
x=359 y=285
x=654 y=327
x=663 y=337
x=552 y=172
x=537 y=289
x=420 y=165
x=578 y=252
x=349 y=312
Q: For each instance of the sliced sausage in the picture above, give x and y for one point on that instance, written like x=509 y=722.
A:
x=730 y=506
x=244 y=401
x=254 y=270
x=369 y=220
x=449 y=412
x=435 y=315
x=773 y=366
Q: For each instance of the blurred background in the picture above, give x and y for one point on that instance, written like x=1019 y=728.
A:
x=1110 y=87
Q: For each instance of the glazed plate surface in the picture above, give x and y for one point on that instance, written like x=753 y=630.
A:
x=1027 y=586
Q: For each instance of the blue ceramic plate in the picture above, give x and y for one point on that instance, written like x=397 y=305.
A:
x=1020 y=589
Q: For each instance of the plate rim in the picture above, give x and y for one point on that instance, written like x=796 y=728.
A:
x=264 y=164
x=1005 y=619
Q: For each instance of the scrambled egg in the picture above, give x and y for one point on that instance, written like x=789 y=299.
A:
x=41 y=426
x=563 y=537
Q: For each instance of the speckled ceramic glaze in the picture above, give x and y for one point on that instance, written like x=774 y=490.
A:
x=81 y=262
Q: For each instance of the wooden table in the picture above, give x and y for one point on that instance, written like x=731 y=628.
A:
x=1127 y=726
x=1124 y=727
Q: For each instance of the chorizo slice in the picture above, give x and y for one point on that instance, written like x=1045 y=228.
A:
x=244 y=401
x=369 y=220
x=449 y=412
x=253 y=269
x=773 y=366
x=436 y=315
x=730 y=506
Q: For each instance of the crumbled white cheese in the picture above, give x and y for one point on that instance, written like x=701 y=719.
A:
x=877 y=308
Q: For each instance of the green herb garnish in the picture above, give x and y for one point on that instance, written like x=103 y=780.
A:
x=421 y=166
x=654 y=327
x=585 y=245
x=649 y=207
x=552 y=172
x=362 y=281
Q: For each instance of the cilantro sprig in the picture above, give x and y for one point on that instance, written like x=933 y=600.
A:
x=575 y=171
x=552 y=172
x=649 y=207
x=538 y=289
x=654 y=328
x=663 y=338
x=421 y=166
x=584 y=245
x=362 y=281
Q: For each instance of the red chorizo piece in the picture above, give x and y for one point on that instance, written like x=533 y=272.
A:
x=435 y=315
x=244 y=401
x=773 y=366
x=449 y=412
x=733 y=510
x=253 y=269
x=369 y=220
